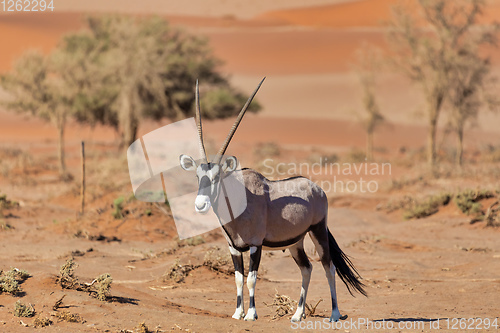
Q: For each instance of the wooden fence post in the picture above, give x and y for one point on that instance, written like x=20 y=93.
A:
x=82 y=193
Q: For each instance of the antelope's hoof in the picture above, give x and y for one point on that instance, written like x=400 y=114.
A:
x=238 y=315
x=298 y=317
x=251 y=315
x=335 y=319
x=336 y=316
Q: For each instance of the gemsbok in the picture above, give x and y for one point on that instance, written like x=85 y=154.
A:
x=278 y=215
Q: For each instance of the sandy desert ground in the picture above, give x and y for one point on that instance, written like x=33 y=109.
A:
x=419 y=273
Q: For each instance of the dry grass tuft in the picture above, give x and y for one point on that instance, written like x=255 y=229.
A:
x=68 y=316
x=98 y=288
x=102 y=285
x=284 y=306
x=10 y=280
x=142 y=328
x=267 y=150
x=5 y=226
x=9 y=285
x=193 y=241
x=492 y=216
x=178 y=272
x=41 y=322
x=218 y=260
x=23 y=310
x=6 y=203
x=18 y=274
x=67 y=279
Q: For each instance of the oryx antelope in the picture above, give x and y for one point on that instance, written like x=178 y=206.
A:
x=278 y=215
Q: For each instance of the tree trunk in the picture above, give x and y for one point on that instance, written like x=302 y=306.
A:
x=82 y=190
x=431 y=142
x=129 y=123
x=369 y=145
x=435 y=98
x=130 y=131
x=61 y=123
x=460 y=146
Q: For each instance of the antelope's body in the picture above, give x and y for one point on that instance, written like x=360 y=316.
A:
x=278 y=215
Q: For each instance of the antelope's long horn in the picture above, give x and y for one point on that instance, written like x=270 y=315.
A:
x=235 y=125
x=198 y=123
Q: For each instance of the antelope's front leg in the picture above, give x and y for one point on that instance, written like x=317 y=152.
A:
x=238 y=275
x=255 y=252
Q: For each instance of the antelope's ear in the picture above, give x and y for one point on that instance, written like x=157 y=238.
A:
x=187 y=162
x=230 y=164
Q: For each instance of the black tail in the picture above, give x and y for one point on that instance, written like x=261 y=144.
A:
x=345 y=268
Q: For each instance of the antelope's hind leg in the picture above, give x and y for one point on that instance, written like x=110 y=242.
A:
x=238 y=276
x=300 y=257
x=319 y=236
x=255 y=254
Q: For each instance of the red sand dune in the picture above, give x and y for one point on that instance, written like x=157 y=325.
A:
x=306 y=67
x=361 y=13
x=26 y=31
x=352 y=14
x=290 y=52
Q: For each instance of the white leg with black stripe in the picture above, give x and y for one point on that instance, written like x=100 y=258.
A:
x=255 y=253
x=300 y=257
x=237 y=257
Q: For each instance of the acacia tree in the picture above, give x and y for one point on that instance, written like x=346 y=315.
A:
x=118 y=72
x=148 y=70
x=35 y=87
x=465 y=96
x=58 y=86
x=470 y=83
x=366 y=68
x=426 y=53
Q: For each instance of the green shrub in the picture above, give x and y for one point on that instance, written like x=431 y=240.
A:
x=468 y=201
x=117 y=204
x=5 y=226
x=223 y=102
x=6 y=203
x=427 y=207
